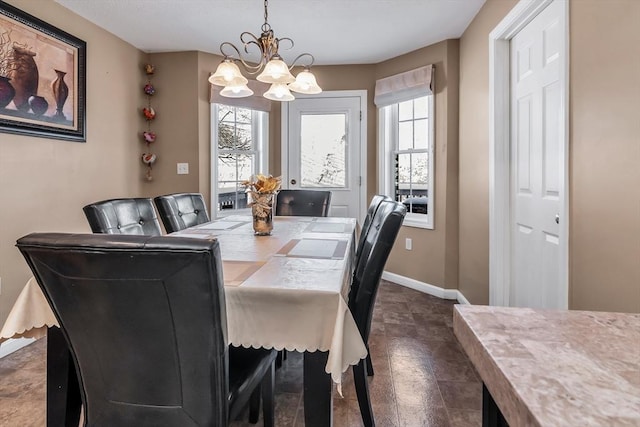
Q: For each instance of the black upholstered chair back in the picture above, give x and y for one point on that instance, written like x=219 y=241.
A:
x=145 y=321
x=182 y=210
x=378 y=243
x=373 y=207
x=123 y=216
x=303 y=203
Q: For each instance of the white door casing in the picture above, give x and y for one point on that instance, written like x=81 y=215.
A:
x=312 y=145
x=529 y=146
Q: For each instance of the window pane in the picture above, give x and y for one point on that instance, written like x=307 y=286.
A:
x=235 y=167
x=226 y=113
x=421 y=132
x=420 y=173
x=405 y=110
x=405 y=135
x=243 y=115
x=232 y=170
x=404 y=172
x=243 y=137
x=234 y=128
x=323 y=150
x=412 y=181
x=420 y=108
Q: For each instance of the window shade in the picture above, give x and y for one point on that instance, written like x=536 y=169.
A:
x=253 y=102
x=404 y=86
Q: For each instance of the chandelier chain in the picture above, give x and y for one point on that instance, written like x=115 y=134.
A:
x=266 y=11
x=266 y=27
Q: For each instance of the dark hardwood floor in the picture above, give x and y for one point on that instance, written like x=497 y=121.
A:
x=422 y=376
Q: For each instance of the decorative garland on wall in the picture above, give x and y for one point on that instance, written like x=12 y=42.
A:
x=148 y=136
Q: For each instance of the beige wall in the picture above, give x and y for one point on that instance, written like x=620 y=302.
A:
x=176 y=123
x=434 y=258
x=474 y=151
x=605 y=155
x=44 y=183
x=604 y=198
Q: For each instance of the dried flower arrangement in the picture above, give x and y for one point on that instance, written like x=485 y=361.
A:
x=261 y=190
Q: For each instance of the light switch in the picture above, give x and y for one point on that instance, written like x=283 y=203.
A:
x=183 y=168
x=408 y=244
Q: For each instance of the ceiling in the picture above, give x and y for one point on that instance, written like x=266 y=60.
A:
x=334 y=31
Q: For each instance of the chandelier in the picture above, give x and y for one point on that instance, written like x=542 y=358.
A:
x=271 y=67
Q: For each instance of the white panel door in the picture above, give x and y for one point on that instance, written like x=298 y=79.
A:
x=323 y=150
x=537 y=162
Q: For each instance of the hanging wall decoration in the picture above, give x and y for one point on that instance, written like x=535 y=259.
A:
x=149 y=136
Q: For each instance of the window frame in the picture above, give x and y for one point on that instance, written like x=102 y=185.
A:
x=260 y=148
x=388 y=147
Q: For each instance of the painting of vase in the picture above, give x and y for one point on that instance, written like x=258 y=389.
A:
x=24 y=77
x=42 y=78
x=7 y=92
x=60 y=93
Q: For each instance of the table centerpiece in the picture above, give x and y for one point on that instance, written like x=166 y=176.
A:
x=261 y=191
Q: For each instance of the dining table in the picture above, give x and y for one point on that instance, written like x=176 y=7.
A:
x=287 y=290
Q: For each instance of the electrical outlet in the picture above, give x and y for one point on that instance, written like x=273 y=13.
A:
x=408 y=244
x=183 y=168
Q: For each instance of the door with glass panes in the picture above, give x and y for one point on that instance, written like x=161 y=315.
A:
x=322 y=150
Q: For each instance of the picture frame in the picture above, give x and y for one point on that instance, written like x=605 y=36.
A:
x=42 y=78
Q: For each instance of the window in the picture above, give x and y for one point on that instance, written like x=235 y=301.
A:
x=406 y=153
x=239 y=141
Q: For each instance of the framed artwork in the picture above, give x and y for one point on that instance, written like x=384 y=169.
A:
x=42 y=78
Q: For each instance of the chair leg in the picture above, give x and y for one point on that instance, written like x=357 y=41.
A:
x=362 y=391
x=254 y=406
x=369 y=365
x=268 y=392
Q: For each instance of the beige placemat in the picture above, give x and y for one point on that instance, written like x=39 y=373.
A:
x=236 y=272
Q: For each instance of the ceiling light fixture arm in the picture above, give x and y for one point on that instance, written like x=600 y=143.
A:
x=251 y=69
x=306 y=65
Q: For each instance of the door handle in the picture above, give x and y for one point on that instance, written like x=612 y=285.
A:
x=557 y=218
x=293 y=182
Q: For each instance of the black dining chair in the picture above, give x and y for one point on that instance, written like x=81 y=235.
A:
x=303 y=203
x=181 y=210
x=123 y=216
x=145 y=322
x=371 y=211
x=377 y=245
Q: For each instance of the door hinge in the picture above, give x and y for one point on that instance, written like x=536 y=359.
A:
x=360 y=115
x=360 y=181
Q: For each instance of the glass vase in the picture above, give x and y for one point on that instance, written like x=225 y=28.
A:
x=262 y=213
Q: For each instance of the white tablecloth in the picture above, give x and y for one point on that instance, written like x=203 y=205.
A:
x=30 y=315
x=287 y=290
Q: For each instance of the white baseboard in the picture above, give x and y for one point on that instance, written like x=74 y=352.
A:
x=14 y=344
x=425 y=287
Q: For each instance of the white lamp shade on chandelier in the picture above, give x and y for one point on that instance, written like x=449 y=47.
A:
x=228 y=74
x=278 y=92
x=272 y=68
x=305 y=83
x=276 y=71
x=236 y=91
